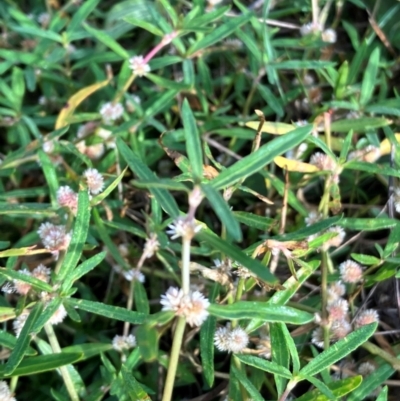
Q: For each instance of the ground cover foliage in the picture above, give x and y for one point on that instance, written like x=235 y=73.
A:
x=198 y=200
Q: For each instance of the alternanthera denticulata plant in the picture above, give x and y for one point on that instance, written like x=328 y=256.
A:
x=198 y=200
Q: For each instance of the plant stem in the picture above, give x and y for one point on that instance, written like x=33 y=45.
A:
x=173 y=361
x=186 y=265
x=55 y=346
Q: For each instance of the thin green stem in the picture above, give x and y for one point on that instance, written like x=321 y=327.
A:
x=55 y=346
x=173 y=360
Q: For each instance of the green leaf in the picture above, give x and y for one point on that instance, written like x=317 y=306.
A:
x=223 y=211
x=367 y=260
x=37 y=210
x=264 y=155
x=108 y=311
x=341 y=82
x=193 y=144
x=383 y=394
x=141 y=301
x=49 y=171
x=260 y=310
x=370 y=76
x=339 y=388
x=144 y=25
x=253 y=220
x=246 y=383
x=366 y=224
x=147 y=338
x=279 y=354
x=82 y=269
x=359 y=125
x=23 y=340
x=39 y=33
x=374 y=168
x=41 y=363
x=266 y=366
x=8 y=341
x=132 y=388
x=301 y=64
x=236 y=254
x=88 y=350
x=372 y=382
x=78 y=236
x=323 y=388
x=83 y=11
x=107 y=40
x=338 y=350
x=165 y=199
x=207 y=332
x=18 y=87
x=226 y=29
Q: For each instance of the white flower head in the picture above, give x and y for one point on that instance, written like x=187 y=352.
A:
x=366 y=317
x=151 y=246
x=121 y=343
x=350 y=272
x=54 y=238
x=58 y=316
x=138 y=66
x=134 y=274
x=192 y=306
x=111 y=112
x=234 y=340
x=94 y=180
x=22 y=287
x=329 y=35
x=19 y=322
x=221 y=338
x=5 y=393
x=183 y=227
x=67 y=197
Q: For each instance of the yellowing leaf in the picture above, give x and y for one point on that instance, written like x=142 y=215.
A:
x=75 y=100
x=385 y=145
x=271 y=127
x=294 y=165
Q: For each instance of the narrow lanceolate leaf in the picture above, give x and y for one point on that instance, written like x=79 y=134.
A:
x=24 y=339
x=41 y=363
x=38 y=285
x=262 y=157
x=339 y=350
x=82 y=12
x=366 y=224
x=279 y=354
x=107 y=40
x=226 y=29
x=134 y=390
x=108 y=311
x=78 y=236
x=260 y=310
x=339 y=388
x=193 y=144
x=246 y=383
x=237 y=255
x=223 y=211
x=8 y=340
x=262 y=364
x=165 y=199
x=369 y=79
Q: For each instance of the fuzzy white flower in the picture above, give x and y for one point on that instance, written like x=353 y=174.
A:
x=138 y=66
x=329 y=35
x=67 y=197
x=5 y=393
x=94 y=180
x=19 y=322
x=366 y=317
x=234 y=340
x=134 y=274
x=181 y=227
x=58 y=316
x=121 y=343
x=350 y=272
x=111 y=111
x=55 y=238
x=192 y=306
x=221 y=338
x=20 y=286
x=41 y=272
x=151 y=246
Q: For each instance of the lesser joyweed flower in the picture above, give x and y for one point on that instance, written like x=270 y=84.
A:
x=350 y=272
x=5 y=393
x=234 y=340
x=111 y=111
x=182 y=227
x=95 y=181
x=138 y=66
x=121 y=343
x=192 y=306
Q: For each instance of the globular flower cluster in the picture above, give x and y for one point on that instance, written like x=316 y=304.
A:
x=111 y=112
x=138 y=66
x=231 y=340
x=192 y=306
x=350 y=272
x=67 y=197
x=54 y=238
x=121 y=343
x=183 y=227
x=5 y=393
x=338 y=316
x=134 y=274
x=94 y=180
